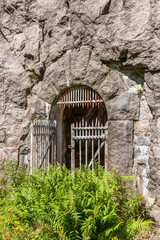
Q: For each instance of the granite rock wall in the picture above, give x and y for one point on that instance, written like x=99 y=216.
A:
x=112 y=46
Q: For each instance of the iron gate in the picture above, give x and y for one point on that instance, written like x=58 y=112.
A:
x=43 y=143
x=87 y=137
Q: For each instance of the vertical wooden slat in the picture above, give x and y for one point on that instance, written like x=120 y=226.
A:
x=72 y=147
x=45 y=162
x=99 y=153
x=55 y=148
x=93 y=98
x=75 y=96
x=69 y=97
x=48 y=138
x=106 y=147
x=85 y=98
x=92 y=146
x=31 y=162
x=64 y=100
x=86 y=143
x=78 y=97
x=42 y=148
x=80 y=154
x=37 y=131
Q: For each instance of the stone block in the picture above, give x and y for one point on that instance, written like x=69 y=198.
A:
x=145 y=113
x=156 y=151
x=141 y=154
x=142 y=138
x=124 y=106
x=141 y=126
x=120 y=146
x=155 y=213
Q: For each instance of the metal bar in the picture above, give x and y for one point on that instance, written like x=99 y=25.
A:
x=72 y=148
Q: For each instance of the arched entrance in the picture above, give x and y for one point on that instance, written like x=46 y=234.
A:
x=82 y=127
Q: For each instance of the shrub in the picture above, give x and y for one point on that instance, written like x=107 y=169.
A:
x=60 y=204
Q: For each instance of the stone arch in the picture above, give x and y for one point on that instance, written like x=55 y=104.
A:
x=71 y=105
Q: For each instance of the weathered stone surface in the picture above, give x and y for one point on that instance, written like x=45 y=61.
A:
x=110 y=46
x=145 y=113
x=155 y=213
x=125 y=106
x=142 y=138
x=120 y=146
x=141 y=154
x=142 y=126
x=2 y=136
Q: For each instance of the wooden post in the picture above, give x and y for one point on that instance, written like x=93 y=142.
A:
x=72 y=147
x=31 y=157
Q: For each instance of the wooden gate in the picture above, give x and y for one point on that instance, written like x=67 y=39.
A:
x=89 y=140
x=43 y=144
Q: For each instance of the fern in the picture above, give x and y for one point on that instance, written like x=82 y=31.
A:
x=83 y=205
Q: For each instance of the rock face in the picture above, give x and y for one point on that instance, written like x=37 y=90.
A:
x=109 y=45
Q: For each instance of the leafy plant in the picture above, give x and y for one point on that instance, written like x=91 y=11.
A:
x=60 y=204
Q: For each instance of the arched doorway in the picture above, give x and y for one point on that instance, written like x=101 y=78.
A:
x=82 y=126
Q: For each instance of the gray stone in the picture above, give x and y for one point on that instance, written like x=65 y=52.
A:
x=141 y=154
x=142 y=138
x=125 y=106
x=145 y=113
x=156 y=151
x=155 y=213
x=2 y=136
x=120 y=146
x=111 y=46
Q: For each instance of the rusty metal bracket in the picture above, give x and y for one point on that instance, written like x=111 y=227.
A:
x=70 y=146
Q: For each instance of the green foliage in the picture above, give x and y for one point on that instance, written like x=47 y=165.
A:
x=140 y=89
x=60 y=204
